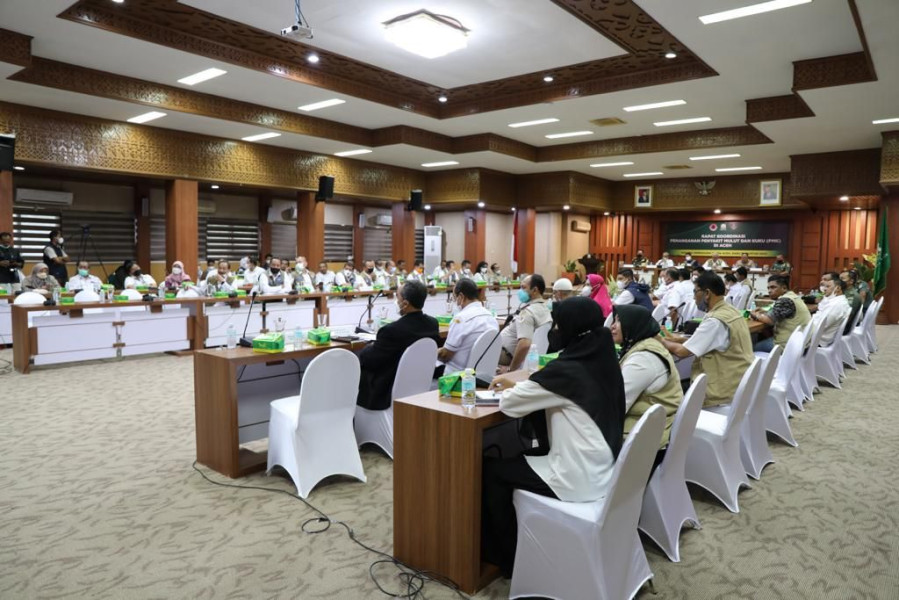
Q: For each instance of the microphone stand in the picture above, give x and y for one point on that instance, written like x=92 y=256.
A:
x=244 y=340
x=371 y=304
x=484 y=382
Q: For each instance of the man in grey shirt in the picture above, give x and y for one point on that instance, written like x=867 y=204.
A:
x=519 y=335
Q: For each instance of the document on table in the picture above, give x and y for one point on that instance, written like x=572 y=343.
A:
x=367 y=337
x=487 y=398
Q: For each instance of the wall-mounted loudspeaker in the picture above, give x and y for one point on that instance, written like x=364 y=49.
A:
x=415 y=200
x=325 y=188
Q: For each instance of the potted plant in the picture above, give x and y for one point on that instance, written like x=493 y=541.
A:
x=570 y=270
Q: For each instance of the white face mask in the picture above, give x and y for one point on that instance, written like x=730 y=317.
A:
x=484 y=270
x=176 y=271
x=621 y=283
x=301 y=266
x=391 y=270
x=689 y=258
x=41 y=275
x=823 y=289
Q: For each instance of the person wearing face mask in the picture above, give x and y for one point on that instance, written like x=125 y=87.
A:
x=631 y=291
x=480 y=275
x=439 y=272
x=379 y=360
x=324 y=278
x=578 y=400
x=56 y=258
x=665 y=262
x=781 y=266
x=10 y=263
x=40 y=281
x=401 y=270
x=640 y=260
x=466 y=269
x=852 y=297
x=418 y=273
x=346 y=277
x=650 y=376
x=721 y=345
x=739 y=290
x=276 y=280
x=787 y=313
x=466 y=327
x=532 y=313
x=137 y=278
x=83 y=280
x=302 y=277
x=833 y=307
x=689 y=261
x=452 y=275
x=716 y=263
x=495 y=276
x=599 y=293
x=393 y=280
x=177 y=277
x=365 y=280
x=380 y=274
x=856 y=289
x=253 y=273
x=745 y=262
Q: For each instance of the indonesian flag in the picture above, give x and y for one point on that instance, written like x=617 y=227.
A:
x=514 y=244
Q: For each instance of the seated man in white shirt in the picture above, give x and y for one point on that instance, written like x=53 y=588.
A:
x=665 y=262
x=324 y=278
x=439 y=272
x=137 y=278
x=832 y=308
x=417 y=273
x=302 y=277
x=380 y=275
x=275 y=280
x=346 y=277
x=715 y=263
x=83 y=280
x=253 y=272
x=220 y=279
x=668 y=294
x=365 y=280
x=466 y=327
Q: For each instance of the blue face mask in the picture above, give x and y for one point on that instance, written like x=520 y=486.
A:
x=523 y=296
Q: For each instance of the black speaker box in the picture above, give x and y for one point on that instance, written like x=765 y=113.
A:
x=325 y=188
x=415 y=200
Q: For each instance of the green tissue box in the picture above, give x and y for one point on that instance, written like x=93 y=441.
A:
x=269 y=342
x=440 y=286
x=106 y=286
x=378 y=286
x=170 y=295
x=221 y=294
x=239 y=293
x=514 y=282
x=450 y=384
x=545 y=359
x=120 y=298
x=444 y=319
x=142 y=288
x=319 y=337
x=481 y=283
x=67 y=300
x=3 y=292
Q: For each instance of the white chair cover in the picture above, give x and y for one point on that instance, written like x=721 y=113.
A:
x=871 y=333
x=828 y=359
x=311 y=435
x=87 y=295
x=589 y=550
x=488 y=364
x=858 y=345
x=29 y=299
x=413 y=376
x=660 y=312
x=807 y=372
x=666 y=502
x=541 y=337
x=754 y=451
x=713 y=459
x=777 y=409
x=846 y=354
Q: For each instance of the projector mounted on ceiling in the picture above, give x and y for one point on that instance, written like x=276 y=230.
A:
x=301 y=29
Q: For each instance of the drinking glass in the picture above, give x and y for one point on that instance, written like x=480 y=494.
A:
x=322 y=321
x=279 y=325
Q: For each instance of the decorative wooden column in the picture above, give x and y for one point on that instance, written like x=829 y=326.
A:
x=527 y=223
x=265 y=228
x=142 y=218
x=403 y=230
x=475 y=236
x=181 y=243
x=310 y=228
x=891 y=294
x=6 y=200
x=358 y=237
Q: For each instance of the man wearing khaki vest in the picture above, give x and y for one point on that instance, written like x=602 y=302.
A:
x=721 y=344
x=787 y=313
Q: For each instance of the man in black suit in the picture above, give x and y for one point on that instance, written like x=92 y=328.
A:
x=379 y=360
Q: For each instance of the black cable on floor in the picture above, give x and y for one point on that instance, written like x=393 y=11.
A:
x=413 y=579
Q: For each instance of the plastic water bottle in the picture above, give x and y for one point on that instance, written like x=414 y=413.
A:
x=532 y=362
x=468 y=385
x=160 y=291
x=297 y=338
x=56 y=295
x=231 y=336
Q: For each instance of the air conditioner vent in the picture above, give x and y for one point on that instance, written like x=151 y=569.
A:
x=608 y=121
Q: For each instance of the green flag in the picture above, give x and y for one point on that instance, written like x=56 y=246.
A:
x=882 y=264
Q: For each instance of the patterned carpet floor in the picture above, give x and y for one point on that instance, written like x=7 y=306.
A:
x=98 y=500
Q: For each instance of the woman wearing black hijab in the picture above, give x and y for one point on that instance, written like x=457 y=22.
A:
x=581 y=394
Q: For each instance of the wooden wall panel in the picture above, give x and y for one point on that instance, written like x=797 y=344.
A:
x=6 y=201
x=476 y=239
x=181 y=217
x=310 y=228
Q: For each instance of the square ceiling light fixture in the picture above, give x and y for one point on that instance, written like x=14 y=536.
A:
x=426 y=34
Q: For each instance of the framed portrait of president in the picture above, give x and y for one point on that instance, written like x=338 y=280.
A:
x=643 y=196
x=769 y=192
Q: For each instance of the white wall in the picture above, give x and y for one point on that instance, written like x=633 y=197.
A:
x=499 y=240
x=453 y=224
x=548 y=245
x=338 y=214
x=98 y=197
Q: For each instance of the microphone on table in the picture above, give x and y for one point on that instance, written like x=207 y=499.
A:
x=244 y=340
x=484 y=382
x=371 y=303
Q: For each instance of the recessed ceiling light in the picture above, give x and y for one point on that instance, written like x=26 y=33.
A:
x=442 y=163
x=534 y=122
x=670 y=55
x=146 y=117
x=426 y=34
x=650 y=174
x=566 y=207
x=18 y=168
x=731 y=169
x=427 y=207
x=858 y=208
x=748 y=11
x=481 y=205
x=605 y=213
x=202 y=76
x=214 y=186
x=883 y=121
x=353 y=152
x=313 y=58
x=548 y=78
x=567 y=134
x=714 y=156
x=119 y=1
x=844 y=198
x=260 y=136
x=682 y=121
x=442 y=98
x=717 y=211
x=513 y=209
x=653 y=105
x=612 y=164
x=322 y=104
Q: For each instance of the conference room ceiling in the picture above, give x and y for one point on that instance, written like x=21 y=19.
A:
x=513 y=41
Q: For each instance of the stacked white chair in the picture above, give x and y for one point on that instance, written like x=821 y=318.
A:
x=666 y=503
x=311 y=434
x=589 y=550
x=541 y=337
x=807 y=370
x=777 y=408
x=489 y=345
x=713 y=459
x=858 y=339
x=871 y=333
x=828 y=361
x=413 y=376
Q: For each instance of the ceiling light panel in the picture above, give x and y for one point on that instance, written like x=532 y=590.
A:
x=260 y=136
x=147 y=117
x=443 y=163
x=682 y=121
x=748 y=11
x=612 y=164
x=353 y=152
x=883 y=121
x=322 y=104
x=714 y=156
x=567 y=134
x=534 y=122
x=202 y=76
x=650 y=174
x=426 y=34
x=653 y=105
x=734 y=169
